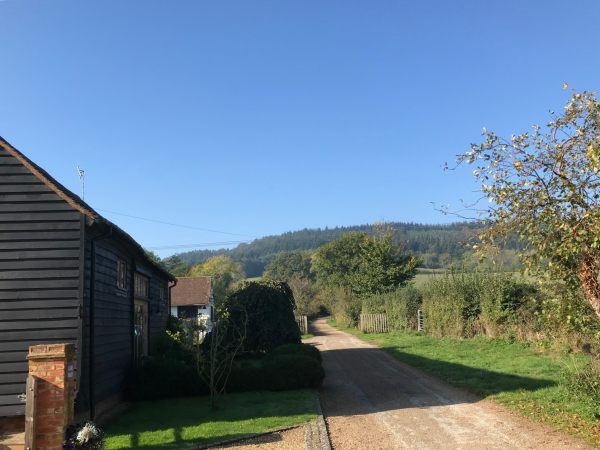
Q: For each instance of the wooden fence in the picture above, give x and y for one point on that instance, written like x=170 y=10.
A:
x=373 y=323
x=302 y=322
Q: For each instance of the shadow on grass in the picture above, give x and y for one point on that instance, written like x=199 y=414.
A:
x=189 y=422
x=363 y=380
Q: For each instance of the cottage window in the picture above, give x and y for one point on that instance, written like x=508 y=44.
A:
x=141 y=285
x=161 y=293
x=121 y=274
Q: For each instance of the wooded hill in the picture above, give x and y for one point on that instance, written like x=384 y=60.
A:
x=436 y=245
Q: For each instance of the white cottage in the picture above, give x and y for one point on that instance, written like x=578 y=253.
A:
x=192 y=298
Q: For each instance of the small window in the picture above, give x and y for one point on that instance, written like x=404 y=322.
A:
x=121 y=274
x=161 y=294
x=141 y=284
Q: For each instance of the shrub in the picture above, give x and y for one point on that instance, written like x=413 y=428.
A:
x=344 y=308
x=502 y=301
x=585 y=382
x=284 y=372
x=465 y=304
x=296 y=349
x=164 y=378
x=267 y=309
x=451 y=304
x=247 y=375
x=174 y=344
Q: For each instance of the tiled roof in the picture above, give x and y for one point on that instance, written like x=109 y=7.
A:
x=191 y=291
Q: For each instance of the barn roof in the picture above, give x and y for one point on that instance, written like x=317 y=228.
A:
x=191 y=291
x=77 y=203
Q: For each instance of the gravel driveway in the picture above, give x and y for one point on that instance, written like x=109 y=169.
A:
x=372 y=401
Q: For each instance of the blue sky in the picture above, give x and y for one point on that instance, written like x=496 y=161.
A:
x=260 y=117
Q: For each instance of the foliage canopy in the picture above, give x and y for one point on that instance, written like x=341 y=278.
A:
x=544 y=186
x=224 y=272
x=268 y=307
x=363 y=264
x=288 y=265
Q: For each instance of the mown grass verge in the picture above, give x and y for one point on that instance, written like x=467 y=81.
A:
x=187 y=422
x=517 y=375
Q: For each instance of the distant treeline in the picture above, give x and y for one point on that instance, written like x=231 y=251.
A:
x=437 y=246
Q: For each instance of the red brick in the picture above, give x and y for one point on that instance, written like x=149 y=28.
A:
x=54 y=400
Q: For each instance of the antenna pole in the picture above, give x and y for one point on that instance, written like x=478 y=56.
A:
x=82 y=178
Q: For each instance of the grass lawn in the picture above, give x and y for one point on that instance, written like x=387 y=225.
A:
x=186 y=422
x=514 y=374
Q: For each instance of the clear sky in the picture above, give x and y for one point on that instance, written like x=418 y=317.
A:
x=260 y=117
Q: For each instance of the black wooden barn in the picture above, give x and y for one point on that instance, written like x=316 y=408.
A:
x=69 y=275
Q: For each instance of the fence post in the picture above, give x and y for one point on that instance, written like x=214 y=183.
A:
x=302 y=322
x=420 y=321
x=30 y=410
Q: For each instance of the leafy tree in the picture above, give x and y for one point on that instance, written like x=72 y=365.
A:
x=304 y=295
x=224 y=271
x=288 y=265
x=544 y=186
x=363 y=264
x=336 y=263
x=176 y=266
x=268 y=307
x=153 y=256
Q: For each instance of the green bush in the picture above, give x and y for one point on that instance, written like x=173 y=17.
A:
x=164 y=378
x=296 y=349
x=585 y=382
x=174 y=343
x=265 y=309
x=284 y=372
x=246 y=375
x=463 y=304
x=342 y=306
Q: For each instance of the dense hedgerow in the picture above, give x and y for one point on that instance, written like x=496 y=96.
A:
x=297 y=349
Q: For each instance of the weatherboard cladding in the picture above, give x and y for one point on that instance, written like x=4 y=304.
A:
x=45 y=283
x=40 y=243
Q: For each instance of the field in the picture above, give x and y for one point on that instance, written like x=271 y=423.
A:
x=515 y=374
x=189 y=422
x=424 y=275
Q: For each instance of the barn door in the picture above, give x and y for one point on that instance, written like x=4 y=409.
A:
x=140 y=330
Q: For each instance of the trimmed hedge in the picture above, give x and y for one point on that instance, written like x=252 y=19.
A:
x=284 y=372
x=164 y=378
x=265 y=309
x=297 y=349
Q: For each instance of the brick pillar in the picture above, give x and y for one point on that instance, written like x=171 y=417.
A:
x=53 y=366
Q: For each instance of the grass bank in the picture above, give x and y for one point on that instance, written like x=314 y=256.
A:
x=517 y=375
x=187 y=422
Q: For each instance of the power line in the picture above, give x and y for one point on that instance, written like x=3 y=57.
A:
x=190 y=227
x=205 y=244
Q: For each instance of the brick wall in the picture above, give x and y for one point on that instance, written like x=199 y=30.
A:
x=53 y=366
